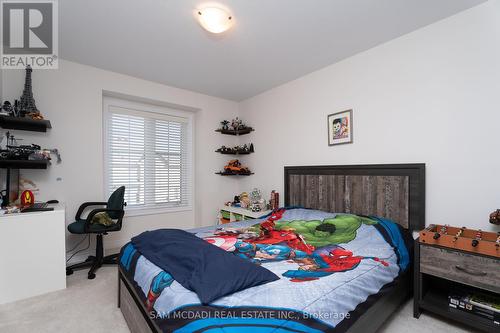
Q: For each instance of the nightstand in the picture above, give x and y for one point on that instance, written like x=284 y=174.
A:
x=440 y=272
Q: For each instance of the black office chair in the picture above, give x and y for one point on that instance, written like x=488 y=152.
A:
x=114 y=208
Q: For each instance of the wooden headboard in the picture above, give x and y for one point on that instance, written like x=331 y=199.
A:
x=393 y=191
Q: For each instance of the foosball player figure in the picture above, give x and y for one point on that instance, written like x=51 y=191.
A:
x=497 y=243
x=459 y=233
x=442 y=231
x=475 y=241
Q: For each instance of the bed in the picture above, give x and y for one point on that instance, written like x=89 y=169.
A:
x=395 y=192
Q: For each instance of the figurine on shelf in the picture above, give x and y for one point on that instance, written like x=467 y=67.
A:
x=224 y=125
x=31 y=152
x=7 y=108
x=237 y=124
x=224 y=149
x=234 y=127
x=27 y=106
x=245 y=149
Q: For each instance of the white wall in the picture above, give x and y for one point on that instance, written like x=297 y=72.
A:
x=432 y=96
x=71 y=97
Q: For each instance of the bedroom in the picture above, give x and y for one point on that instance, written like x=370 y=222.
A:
x=421 y=81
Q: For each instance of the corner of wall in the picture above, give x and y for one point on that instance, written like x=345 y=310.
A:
x=1 y=85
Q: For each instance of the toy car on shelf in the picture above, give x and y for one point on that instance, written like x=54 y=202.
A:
x=234 y=167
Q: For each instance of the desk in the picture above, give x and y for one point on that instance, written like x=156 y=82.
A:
x=32 y=254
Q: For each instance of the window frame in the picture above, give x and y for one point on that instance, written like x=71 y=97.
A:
x=162 y=110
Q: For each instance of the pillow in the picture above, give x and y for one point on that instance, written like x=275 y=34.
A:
x=102 y=218
x=199 y=266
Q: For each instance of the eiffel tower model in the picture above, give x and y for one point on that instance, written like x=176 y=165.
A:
x=27 y=104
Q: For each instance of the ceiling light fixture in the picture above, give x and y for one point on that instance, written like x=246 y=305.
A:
x=215 y=20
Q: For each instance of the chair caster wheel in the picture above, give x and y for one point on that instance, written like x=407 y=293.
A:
x=69 y=271
x=91 y=276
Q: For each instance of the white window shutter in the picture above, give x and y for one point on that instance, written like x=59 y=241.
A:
x=150 y=154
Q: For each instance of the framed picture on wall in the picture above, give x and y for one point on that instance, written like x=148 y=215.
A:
x=340 y=128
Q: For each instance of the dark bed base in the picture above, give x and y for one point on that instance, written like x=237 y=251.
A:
x=138 y=319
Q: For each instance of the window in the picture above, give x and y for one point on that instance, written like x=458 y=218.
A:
x=148 y=150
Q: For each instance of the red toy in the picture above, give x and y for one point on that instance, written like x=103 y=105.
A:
x=27 y=198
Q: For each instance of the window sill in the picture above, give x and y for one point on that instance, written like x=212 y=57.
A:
x=155 y=211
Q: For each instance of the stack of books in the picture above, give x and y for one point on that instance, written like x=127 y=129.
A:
x=482 y=305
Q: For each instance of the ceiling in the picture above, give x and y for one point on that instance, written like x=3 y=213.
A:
x=271 y=42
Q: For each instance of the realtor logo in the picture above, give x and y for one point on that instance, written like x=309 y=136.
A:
x=29 y=34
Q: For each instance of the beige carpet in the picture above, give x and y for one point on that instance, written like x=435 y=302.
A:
x=90 y=306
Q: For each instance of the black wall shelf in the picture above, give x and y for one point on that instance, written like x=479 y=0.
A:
x=233 y=174
x=24 y=123
x=235 y=132
x=23 y=164
x=234 y=153
x=231 y=151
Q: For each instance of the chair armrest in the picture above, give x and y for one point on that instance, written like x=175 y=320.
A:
x=85 y=205
x=88 y=220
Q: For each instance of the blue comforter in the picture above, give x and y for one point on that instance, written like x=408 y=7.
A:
x=328 y=264
x=185 y=256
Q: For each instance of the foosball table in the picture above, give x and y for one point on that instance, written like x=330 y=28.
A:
x=469 y=240
x=457 y=263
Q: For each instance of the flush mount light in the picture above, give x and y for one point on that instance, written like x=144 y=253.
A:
x=214 y=19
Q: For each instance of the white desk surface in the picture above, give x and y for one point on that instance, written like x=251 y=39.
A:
x=57 y=208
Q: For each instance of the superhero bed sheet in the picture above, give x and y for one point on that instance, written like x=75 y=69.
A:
x=329 y=266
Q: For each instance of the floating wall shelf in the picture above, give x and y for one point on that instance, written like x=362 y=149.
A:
x=235 y=132
x=23 y=164
x=234 y=152
x=24 y=123
x=233 y=174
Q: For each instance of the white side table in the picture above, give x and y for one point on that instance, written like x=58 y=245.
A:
x=238 y=214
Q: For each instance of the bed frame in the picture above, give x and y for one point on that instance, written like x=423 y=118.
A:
x=395 y=191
